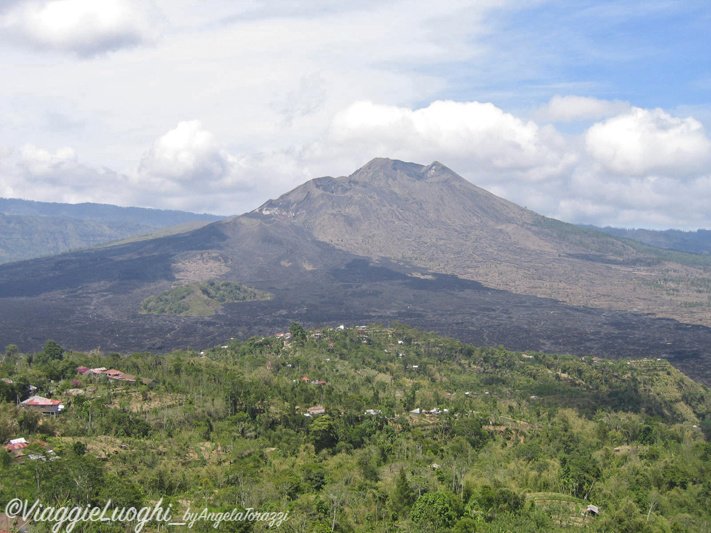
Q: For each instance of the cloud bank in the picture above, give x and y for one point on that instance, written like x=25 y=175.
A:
x=82 y=27
x=642 y=167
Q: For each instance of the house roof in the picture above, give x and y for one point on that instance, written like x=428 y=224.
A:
x=16 y=446
x=40 y=401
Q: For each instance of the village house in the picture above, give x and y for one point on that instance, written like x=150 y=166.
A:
x=43 y=405
x=116 y=375
x=120 y=376
x=16 y=446
x=317 y=410
x=592 y=510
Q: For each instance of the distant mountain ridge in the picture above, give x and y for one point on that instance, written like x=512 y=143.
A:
x=158 y=218
x=695 y=242
x=31 y=229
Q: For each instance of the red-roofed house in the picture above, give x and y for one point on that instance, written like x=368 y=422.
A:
x=44 y=405
x=16 y=446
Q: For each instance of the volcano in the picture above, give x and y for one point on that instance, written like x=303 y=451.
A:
x=394 y=241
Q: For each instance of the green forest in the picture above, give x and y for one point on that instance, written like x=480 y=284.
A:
x=199 y=299
x=363 y=429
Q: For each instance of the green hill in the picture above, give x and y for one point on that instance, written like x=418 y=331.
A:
x=368 y=429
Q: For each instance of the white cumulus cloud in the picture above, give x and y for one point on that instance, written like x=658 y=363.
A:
x=82 y=27
x=639 y=167
x=472 y=136
x=185 y=153
x=41 y=162
x=57 y=176
x=645 y=141
x=187 y=169
x=577 y=108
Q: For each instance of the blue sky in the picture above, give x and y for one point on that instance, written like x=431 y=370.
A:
x=652 y=54
x=592 y=112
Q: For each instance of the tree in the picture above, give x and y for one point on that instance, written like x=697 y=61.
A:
x=579 y=471
x=436 y=511
x=79 y=448
x=52 y=352
x=499 y=500
x=337 y=495
x=323 y=433
x=11 y=350
x=28 y=420
x=466 y=525
x=471 y=429
x=8 y=423
x=297 y=332
x=403 y=495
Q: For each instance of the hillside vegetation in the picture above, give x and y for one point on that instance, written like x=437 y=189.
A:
x=420 y=433
x=199 y=299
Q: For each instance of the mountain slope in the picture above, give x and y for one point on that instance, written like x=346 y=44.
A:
x=92 y=298
x=33 y=229
x=440 y=221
